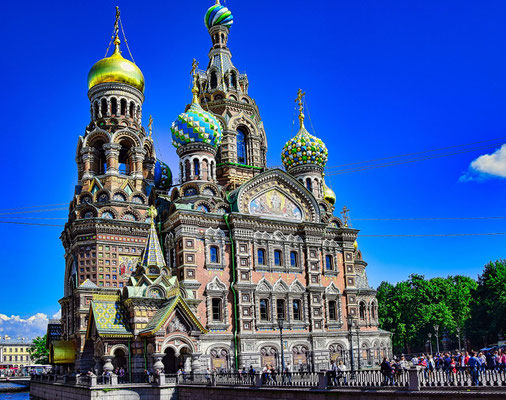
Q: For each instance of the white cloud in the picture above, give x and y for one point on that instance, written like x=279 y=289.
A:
x=29 y=328
x=487 y=166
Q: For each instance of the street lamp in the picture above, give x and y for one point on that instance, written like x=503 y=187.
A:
x=430 y=342
x=436 y=328
x=350 y=324
x=281 y=322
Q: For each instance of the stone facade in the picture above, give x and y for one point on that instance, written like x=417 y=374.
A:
x=200 y=275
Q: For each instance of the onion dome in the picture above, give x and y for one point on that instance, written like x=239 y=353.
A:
x=328 y=194
x=196 y=125
x=218 y=15
x=163 y=176
x=116 y=69
x=304 y=148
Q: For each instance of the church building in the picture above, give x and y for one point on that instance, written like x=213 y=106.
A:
x=204 y=271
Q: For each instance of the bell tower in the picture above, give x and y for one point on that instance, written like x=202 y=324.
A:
x=223 y=90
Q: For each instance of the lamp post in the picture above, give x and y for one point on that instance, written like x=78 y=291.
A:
x=350 y=324
x=458 y=335
x=430 y=342
x=281 y=321
x=436 y=328
x=359 y=356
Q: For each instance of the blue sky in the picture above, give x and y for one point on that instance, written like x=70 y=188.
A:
x=382 y=79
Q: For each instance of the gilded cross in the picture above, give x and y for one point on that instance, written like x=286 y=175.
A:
x=346 y=217
x=150 y=125
x=300 y=95
x=116 y=23
x=152 y=213
x=195 y=89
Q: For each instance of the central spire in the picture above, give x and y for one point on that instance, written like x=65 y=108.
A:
x=195 y=76
x=300 y=96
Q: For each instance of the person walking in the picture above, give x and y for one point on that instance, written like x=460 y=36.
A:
x=474 y=368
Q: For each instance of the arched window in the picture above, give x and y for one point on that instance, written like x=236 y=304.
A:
x=264 y=310
x=104 y=108
x=196 y=167
x=96 y=109
x=373 y=310
x=332 y=310
x=203 y=208
x=137 y=199
x=132 y=108
x=107 y=215
x=99 y=161
x=119 y=197
x=329 y=263
x=214 y=80
x=241 y=147
x=129 y=217
x=217 y=308
x=124 y=159
x=103 y=198
x=213 y=254
x=293 y=258
x=261 y=256
x=280 y=308
x=309 y=185
x=114 y=106
x=234 y=80
x=277 y=258
x=296 y=310
x=123 y=105
x=362 y=310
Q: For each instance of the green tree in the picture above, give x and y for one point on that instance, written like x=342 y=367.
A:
x=38 y=351
x=488 y=310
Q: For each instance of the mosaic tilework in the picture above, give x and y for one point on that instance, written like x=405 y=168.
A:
x=196 y=125
x=304 y=148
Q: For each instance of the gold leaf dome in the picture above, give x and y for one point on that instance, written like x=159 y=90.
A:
x=329 y=195
x=116 y=69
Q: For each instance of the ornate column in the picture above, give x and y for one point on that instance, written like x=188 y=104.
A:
x=87 y=154
x=112 y=155
x=138 y=154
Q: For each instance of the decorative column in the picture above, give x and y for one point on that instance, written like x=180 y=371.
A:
x=87 y=155
x=112 y=155
x=138 y=154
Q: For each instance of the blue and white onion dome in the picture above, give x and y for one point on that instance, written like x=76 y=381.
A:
x=196 y=125
x=163 y=176
x=218 y=15
x=303 y=149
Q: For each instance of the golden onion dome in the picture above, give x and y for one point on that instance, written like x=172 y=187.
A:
x=116 y=69
x=328 y=194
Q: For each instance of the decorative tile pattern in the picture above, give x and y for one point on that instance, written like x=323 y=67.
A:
x=196 y=125
x=304 y=148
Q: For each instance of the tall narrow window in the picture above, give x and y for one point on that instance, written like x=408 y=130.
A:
x=261 y=256
x=332 y=310
x=296 y=310
x=124 y=159
x=362 y=310
x=241 y=147
x=104 y=108
x=217 y=316
x=264 y=310
x=280 y=308
x=114 y=106
x=329 y=263
x=196 y=167
x=214 y=80
x=123 y=105
x=309 y=185
x=293 y=258
x=277 y=258
x=213 y=252
x=132 y=107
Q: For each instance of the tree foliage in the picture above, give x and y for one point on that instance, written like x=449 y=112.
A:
x=411 y=308
x=38 y=352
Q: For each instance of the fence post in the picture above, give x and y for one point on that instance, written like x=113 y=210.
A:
x=414 y=382
x=322 y=380
x=114 y=379
x=161 y=379
x=93 y=380
x=258 y=380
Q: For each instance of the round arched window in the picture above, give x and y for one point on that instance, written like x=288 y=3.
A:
x=107 y=215
x=103 y=197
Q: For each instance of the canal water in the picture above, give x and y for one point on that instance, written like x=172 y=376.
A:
x=12 y=396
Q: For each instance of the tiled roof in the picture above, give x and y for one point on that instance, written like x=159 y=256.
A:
x=110 y=318
x=87 y=284
x=152 y=255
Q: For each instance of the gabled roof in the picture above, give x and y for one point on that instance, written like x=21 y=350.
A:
x=166 y=311
x=87 y=284
x=109 y=319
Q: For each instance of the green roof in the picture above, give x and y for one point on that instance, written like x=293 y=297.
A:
x=110 y=318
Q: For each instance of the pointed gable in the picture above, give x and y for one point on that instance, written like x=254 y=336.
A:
x=152 y=255
x=108 y=317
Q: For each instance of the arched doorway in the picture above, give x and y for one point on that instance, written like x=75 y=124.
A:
x=120 y=359
x=170 y=361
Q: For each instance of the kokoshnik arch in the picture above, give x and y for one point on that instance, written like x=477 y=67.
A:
x=198 y=274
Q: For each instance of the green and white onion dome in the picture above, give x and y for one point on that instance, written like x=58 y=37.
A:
x=304 y=149
x=218 y=15
x=196 y=125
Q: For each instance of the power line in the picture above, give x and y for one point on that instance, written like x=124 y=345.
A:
x=33 y=211
x=424 y=218
x=436 y=235
x=30 y=207
x=418 y=152
x=37 y=218
x=29 y=223
x=347 y=171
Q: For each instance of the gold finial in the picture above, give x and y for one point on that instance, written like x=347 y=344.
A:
x=346 y=217
x=150 y=125
x=152 y=213
x=217 y=2
x=116 y=32
x=195 y=89
x=300 y=95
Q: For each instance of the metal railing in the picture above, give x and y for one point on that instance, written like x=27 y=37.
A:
x=462 y=377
